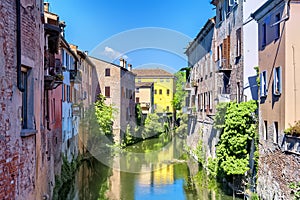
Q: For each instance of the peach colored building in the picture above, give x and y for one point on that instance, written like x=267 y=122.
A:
x=144 y=95
x=279 y=105
x=118 y=86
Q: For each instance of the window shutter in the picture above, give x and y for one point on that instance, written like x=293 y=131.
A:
x=280 y=79
x=228 y=51
x=224 y=53
x=216 y=53
x=262 y=84
x=266 y=83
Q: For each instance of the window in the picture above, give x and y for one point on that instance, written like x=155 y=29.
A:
x=229 y=5
x=107 y=92
x=139 y=80
x=275 y=136
x=210 y=101
x=265 y=130
x=220 y=14
x=107 y=72
x=201 y=102
x=168 y=108
x=137 y=90
x=220 y=55
x=168 y=92
x=277 y=26
x=263 y=84
x=277 y=84
x=123 y=92
x=68 y=93
x=264 y=35
x=238 y=42
x=137 y=100
x=160 y=91
x=155 y=91
x=161 y=80
x=64 y=93
x=167 y=80
x=24 y=77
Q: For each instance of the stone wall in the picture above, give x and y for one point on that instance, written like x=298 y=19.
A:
x=276 y=171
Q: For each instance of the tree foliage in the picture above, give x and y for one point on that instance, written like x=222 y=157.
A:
x=104 y=115
x=180 y=93
x=219 y=122
x=152 y=126
x=234 y=146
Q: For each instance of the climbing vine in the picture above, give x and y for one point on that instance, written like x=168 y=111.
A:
x=239 y=129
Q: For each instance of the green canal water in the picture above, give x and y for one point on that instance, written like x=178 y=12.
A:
x=159 y=172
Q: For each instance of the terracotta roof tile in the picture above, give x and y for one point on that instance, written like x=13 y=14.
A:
x=152 y=73
x=143 y=84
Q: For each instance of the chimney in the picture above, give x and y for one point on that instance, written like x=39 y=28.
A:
x=125 y=63
x=122 y=62
x=129 y=67
x=46 y=6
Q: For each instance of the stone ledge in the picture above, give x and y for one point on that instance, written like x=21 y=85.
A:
x=28 y=132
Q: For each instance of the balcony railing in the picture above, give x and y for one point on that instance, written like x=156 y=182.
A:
x=291 y=144
x=75 y=75
x=223 y=65
x=53 y=76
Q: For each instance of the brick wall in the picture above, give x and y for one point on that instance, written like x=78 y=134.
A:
x=18 y=155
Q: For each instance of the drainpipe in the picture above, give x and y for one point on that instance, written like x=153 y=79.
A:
x=18 y=13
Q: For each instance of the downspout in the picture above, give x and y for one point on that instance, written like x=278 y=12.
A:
x=18 y=13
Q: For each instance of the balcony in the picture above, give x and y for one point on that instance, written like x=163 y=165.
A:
x=145 y=106
x=76 y=109
x=75 y=76
x=53 y=76
x=223 y=65
x=291 y=144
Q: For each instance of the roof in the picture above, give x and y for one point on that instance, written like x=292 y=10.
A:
x=152 y=73
x=265 y=8
x=143 y=84
x=93 y=59
x=203 y=32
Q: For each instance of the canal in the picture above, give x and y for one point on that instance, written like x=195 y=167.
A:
x=152 y=169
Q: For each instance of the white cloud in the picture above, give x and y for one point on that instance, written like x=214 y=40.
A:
x=113 y=54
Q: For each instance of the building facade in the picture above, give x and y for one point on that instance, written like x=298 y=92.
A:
x=204 y=87
x=164 y=87
x=118 y=86
x=278 y=46
x=144 y=95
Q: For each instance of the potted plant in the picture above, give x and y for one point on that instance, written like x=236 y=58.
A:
x=293 y=130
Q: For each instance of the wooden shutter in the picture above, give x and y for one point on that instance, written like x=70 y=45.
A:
x=107 y=91
x=224 y=53
x=228 y=51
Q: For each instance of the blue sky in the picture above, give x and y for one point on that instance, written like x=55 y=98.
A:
x=92 y=25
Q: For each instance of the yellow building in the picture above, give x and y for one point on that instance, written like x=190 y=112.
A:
x=164 y=87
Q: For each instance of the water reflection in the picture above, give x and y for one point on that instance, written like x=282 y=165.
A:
x=159 y=180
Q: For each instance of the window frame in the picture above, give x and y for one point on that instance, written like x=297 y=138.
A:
x=238 y=42
x=277 y=26
x=263 y=84
x=264 y=35
x=277 y=86
x=265 y=130
x=24 y=77
x=275 y=132
x=107 y=72
x=107 y=91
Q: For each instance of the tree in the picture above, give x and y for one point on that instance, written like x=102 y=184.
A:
x=180 y=93
x=234 y=146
